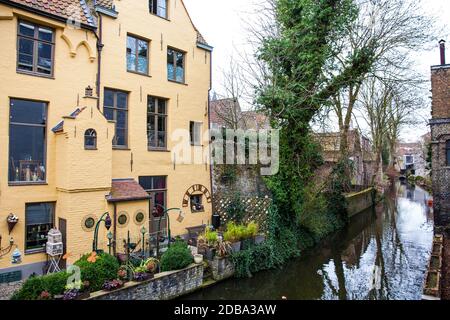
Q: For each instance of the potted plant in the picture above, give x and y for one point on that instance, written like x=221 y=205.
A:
x=12 y=220
x=152 y=265
x=198 y=258
x=111 y=285
x=232 y=236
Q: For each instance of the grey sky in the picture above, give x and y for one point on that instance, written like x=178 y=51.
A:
x=222 y=24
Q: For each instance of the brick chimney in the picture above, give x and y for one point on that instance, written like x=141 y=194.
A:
x=442 y=49
x=440 y=87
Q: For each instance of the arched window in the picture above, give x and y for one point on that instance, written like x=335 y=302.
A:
x=447 y=152
x=90 y=139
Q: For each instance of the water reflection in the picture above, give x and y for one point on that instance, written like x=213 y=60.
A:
x=383 y=254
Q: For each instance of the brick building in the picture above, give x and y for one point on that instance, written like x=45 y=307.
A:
x=440 y=138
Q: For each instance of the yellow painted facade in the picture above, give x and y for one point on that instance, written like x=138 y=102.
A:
x=79 y=180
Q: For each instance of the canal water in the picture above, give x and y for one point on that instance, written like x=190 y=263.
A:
x=382 y=254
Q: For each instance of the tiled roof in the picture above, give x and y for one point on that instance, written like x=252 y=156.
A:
x=67 y=9
x=60 y=126
x=126 y=190
x=109 y=4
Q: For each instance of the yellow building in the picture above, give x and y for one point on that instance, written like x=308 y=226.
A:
x=90 y=94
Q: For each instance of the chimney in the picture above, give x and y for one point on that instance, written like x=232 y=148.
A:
x=442 y=48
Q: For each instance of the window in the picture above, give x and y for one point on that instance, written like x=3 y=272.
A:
x=39 y=219
x=156 y=187
x=90 y=139
x=157 y=123
x=447 y=149
x=116 y=108
x=196 y=203
x=123 y=219
x=27 y=136
x=158 y=7
x=195 y=130
x=35 y=45
x=137 y=55
x=175 y=65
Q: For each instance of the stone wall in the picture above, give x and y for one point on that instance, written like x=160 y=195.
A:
x=221 y=268
x=358 y=202
x=164 y=286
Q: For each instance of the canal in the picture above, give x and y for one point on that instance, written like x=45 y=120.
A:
x=382 y=254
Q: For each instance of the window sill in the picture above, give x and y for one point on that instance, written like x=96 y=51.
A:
x=139 y=73
x=158 y=150
x=119 y=148
x=26 y=183
x=34 y=251
x=196 y=145
x=177 y=82
x=51 y=77
x=164 y=18
x=90 y=149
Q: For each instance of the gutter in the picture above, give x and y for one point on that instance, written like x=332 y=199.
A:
x=45 y=14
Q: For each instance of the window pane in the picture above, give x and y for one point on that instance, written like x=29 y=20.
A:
x=142 y=64
x=26 y=153
x=151 y=138
x=25 y=111
x=120 y=138
x=151 y=105
x=161 y=123
x=159 y=182
x=121 y=100
x=131 y=62
x=26 y=29
x=25 y=54
x=162 y=106
x=44 y=58
x=109 y=98
x=26 y=46
x=45 y=34
x=161 y=139
x=109 y=113
x=121 y=119
x=160 y=198
x=180 y=67
x=162 y=10
x=39 y=220
x=170 y=65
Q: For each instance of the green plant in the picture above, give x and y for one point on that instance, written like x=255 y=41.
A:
x=211 y=237
x=53 y=284
x=232 y=233
x=252 y=229
x=104 y=267
x=177 y=257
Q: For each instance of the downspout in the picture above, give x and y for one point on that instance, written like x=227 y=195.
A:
x=115 y=228
x=99 y=59
x=209 y=128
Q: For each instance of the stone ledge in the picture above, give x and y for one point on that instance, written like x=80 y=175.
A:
x=164 y=286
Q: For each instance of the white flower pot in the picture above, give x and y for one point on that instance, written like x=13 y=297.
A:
x=198 y=258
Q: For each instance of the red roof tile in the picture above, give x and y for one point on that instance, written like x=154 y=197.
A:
x=69 y=9
x=126 y=190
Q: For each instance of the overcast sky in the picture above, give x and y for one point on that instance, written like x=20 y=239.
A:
x=222 y=23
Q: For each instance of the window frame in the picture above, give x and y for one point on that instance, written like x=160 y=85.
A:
x=115 y=109
x=201 y=203
x=136 y=60
x=37 y=250
x=44 y=160
x=192 y=125
x=174 y=62
x=87 y=147
x=36 y=41
x=156 y=115
x=152 y=193
x=151 y=7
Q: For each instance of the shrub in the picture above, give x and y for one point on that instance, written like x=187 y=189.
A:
x=53 y=284
x=105 y=267
x=177 y=257
x=211 y=237
x=231 y=234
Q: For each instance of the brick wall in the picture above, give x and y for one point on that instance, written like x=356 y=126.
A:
x=440 y=134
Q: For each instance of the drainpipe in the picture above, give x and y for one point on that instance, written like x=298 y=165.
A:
x=209 y=128
x=115 y=228
x=100 y=46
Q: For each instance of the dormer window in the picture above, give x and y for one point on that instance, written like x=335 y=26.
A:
x=158 y=7
x=90 y=139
